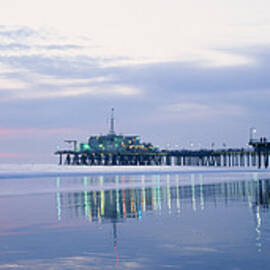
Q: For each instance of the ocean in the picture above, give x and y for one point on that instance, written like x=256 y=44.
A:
x=136 y=221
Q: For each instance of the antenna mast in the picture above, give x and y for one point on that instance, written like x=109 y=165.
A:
x=112 y=132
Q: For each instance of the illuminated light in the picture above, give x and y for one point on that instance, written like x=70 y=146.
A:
x=86 y=147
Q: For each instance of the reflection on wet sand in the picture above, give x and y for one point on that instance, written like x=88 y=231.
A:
x=121 y=203
x=190 y=207
x=118 y=204
x=166 y=196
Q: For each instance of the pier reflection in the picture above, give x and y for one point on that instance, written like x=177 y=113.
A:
x=166 y=195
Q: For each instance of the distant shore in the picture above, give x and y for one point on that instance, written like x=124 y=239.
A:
x=46 y=170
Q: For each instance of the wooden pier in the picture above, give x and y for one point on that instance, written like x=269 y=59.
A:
x=258 y=157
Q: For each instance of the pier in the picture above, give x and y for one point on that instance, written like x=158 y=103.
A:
x=119 y=150
x=256 y=157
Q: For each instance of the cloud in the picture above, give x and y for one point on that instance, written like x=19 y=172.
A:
x=12 y=84
x=153 y=32
x=213 y=59
x=197 y=111
x=24 y=41
x=112 y=90
x=62 y=81
x=16 y=32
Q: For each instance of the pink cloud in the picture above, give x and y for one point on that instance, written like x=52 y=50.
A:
x=12 y=155
x=21 y=155
x=20 y=131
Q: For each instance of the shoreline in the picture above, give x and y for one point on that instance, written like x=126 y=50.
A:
x=50 y=170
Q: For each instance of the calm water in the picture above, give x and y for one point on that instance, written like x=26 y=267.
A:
x=135 y=222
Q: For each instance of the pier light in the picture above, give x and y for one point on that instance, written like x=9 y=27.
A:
x=86 y=147
x=252 y=132
x=248 y=145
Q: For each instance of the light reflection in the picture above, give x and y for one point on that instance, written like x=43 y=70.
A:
x=158 y=194
x=85 y=181
x=201 y=192
x=178 y=202
x=258 y=231
x=169 y=194
x=161 y=195
x=143 y=193
x=193 y=192
x=86 y=205
x=58 y=199
x=58 y=182
x=58 y=203
x=117 y=197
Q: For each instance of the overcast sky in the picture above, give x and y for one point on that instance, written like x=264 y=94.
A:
x=177 y=72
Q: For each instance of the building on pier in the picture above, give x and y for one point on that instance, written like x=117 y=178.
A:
x=262 y=147
x=112 y=149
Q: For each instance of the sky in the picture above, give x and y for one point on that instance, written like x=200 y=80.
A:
x=181 y=74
